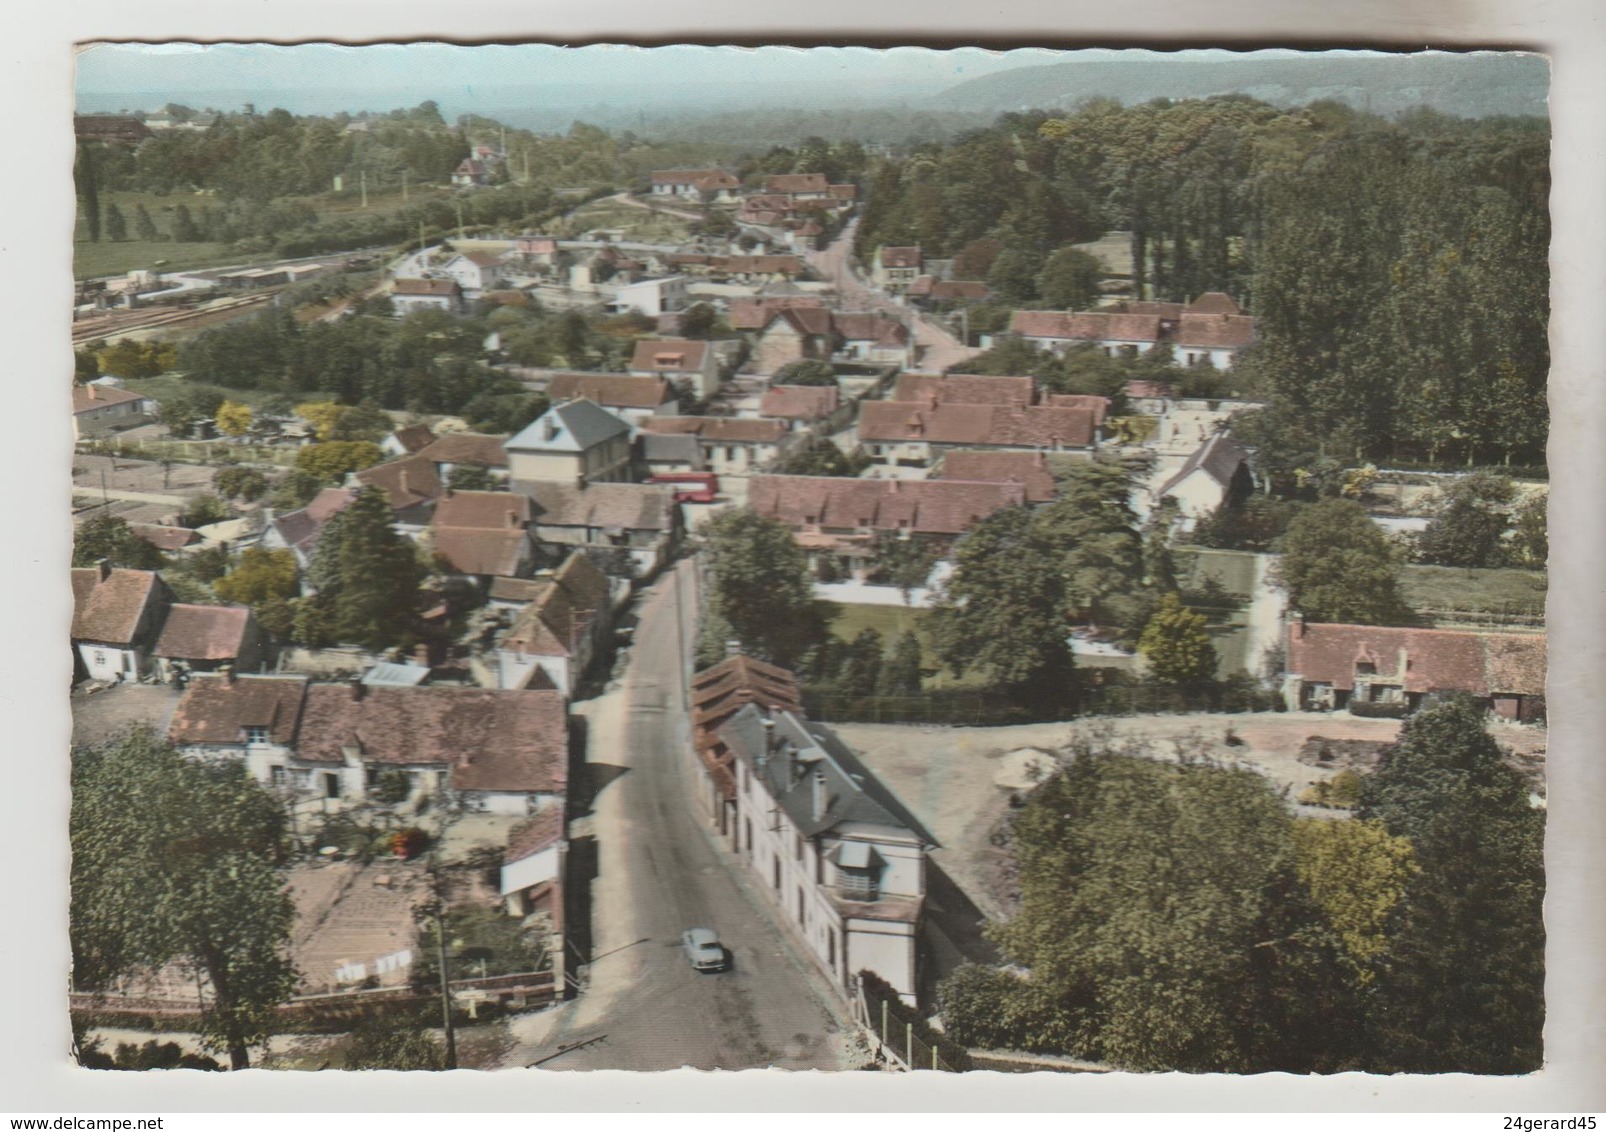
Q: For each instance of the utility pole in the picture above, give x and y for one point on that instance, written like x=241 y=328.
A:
x=446 y=986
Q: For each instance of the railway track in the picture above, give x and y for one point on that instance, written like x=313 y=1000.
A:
x=90 y=329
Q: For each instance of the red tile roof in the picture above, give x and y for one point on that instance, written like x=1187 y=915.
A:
x=108 y=609
x=217 y=709
x=965 y=389
x=554 y=623
x=613 y=390
x=703 y=179
x=531 y=836
x=601 y=506
x=203 y=632
x=1098 y=406
x=503 y=741
x=1158 y=389
x=1434 y=660
x=164 y=538
x=721 y=691
x=755 y=314
x=1217 y=331
x=845 y=192
x=1029 y=469
x=1087 y=326
x=482 y=510
x=466 y=448
x=797 y=183
x=490 y=553
x=412 y=438
x=1168 y=311
x=719 y=430
x=88 y=397
x=944 y=507
x=871 y=328
x=1215 y=302
x=997 y=426
x=901 y=257
x=447 y=287
x=406 y=482
x=800 y=402
x=804 y=320
x=669 y=355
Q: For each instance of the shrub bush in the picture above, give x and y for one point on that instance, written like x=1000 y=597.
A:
x=1379 y=711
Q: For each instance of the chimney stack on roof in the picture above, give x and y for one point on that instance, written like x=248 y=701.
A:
x=227 y=671
x=104 y=565
x=356 y=685
x=733 y=648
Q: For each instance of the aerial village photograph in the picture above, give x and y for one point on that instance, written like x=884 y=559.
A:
x=605 y=558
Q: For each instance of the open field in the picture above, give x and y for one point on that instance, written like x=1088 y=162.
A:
x=1493 y=591
x=890 y=620
x=639 y=224
x=164 y=386
x=92 y=260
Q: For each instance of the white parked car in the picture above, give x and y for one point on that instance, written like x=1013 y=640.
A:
x=703 y=949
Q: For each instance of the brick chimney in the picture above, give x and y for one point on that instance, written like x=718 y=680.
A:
x=513 y=520
x=356 y=685
x=91 y=391
x=401 y=477
x=227 y=672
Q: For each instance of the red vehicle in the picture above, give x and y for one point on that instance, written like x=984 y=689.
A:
x=690 y=487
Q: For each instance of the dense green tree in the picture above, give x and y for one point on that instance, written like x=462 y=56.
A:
x=296 y=489
x=144 y=226
x=1002 y=609
x=376 y=596
x=1162 y=913
x=87 y=180
x=700 y=320
x=900 y=670
x=760 y=586
x=1356 y=872
x=110 y=538
x=203 y=510
x=260 y=576
x=1014 y=274
x=806 y=371
x=184 y=229
x=376 y=1044
x=861 y=671
x=116 y=223
x=1470 y=524
x=902 y=562
x=1101 y=554
x=1070 y=280
x=86 y=365
x=333 y=459
x=471 y=477
x=822 y=458
x=1337 y=565
x=1530 y=543
x=1176 y=643
x=176 y=861
x=1462 y=986
x=239 y=482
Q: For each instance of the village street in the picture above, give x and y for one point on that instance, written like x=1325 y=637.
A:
x=658 y=872
x=939 y=349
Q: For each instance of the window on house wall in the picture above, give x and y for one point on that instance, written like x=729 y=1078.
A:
x=277 y=776
x=100 y=657
x=830 y=949
x=775 y=869
x=858 y=884
x=256 y=736
x=331 y=785
x=802 y=912
x=797 y=846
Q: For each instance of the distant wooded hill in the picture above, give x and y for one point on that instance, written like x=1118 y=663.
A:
x=1475 y=85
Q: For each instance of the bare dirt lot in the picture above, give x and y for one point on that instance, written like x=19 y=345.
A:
x=960 y=780
x=99 y=715
x=147 y=476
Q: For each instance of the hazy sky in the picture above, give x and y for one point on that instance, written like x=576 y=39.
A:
x=303 y=77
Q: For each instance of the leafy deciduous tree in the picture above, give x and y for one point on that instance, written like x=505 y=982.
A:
x=1176 y=643
x=1337 y=565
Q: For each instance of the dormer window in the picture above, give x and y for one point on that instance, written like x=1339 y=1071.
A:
x=256 y=736
x=1365 y=668
x=858 y=871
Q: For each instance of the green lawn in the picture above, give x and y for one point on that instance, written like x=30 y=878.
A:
x=166 y=385
x=639 y=224
x=1492 y=591
x=1233 y=570
x=847 y=621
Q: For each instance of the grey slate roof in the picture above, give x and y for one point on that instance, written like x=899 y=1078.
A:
x=659 y=447
x=574 y=426
x=799 y=749
x=1218 y=457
